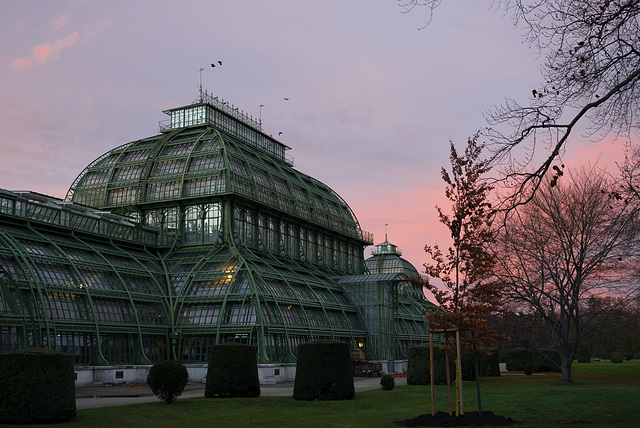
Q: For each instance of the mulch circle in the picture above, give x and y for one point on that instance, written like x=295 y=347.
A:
x=442 y=419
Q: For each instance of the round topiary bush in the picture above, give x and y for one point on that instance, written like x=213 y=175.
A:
x=36 y=386
x=323 y=371
x=232 y=372
x=167 y=379
x=387 y=382
x=528 y=369
x=617 y=357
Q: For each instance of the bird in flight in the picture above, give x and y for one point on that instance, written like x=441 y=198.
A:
x=286 y=99
x=213 y=64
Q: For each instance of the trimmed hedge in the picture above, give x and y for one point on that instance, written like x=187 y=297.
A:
x=517 y=358
x=488 y=365
x=583 y=354
x=418 y=369
x=167 y=379
x=232 y=372
x=36 y=386
x=323 y=371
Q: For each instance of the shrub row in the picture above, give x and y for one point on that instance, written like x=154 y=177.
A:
x=419 y=369
x=517 y=359
x=323 y=373
x=419 y=366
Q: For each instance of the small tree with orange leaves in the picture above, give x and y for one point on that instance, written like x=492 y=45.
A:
x=467 y=294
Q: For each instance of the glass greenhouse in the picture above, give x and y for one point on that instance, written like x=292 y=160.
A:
x=202 y=234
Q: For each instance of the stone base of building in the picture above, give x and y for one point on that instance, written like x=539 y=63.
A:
x=268 y=374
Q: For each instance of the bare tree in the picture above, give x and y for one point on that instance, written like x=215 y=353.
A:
x=629 y=181
x=568 y=244
x=591 y=81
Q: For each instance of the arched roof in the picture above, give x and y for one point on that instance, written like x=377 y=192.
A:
x=200 y=161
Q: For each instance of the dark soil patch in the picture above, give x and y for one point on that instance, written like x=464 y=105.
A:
x=442 y=419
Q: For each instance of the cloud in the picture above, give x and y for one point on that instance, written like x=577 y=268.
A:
x=61 y=20
x=45 y=52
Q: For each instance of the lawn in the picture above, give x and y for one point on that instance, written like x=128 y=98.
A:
x=604 y=395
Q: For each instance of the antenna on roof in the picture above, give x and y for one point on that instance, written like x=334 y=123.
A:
x=213 y=65
x=385 y=232
x=200 y=71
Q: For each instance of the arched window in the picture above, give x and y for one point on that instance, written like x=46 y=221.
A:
x=192 y=225
x=201 y=223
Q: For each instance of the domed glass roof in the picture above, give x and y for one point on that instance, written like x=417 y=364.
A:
x=386 y=259
x=207 y=151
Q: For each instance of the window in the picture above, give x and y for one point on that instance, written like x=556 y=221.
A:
x=89 y=196
x=119 y=348
x=203 y=163
x=68 y=306
x=205 y=186
x=94 y=177
x=240 y=313
x=163 y=191
x=127 y=173
x=166 y=220
x=245 y=226
x=123 y=196
x=208 y=146
x=170 y=167
x=268 y=231
x=177 y=150
x=112 y=311
x=79 y=344
x=136 y=156
x=202 y=223
x=202 y=314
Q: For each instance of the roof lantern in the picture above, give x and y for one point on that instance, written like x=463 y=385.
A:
x=208 y=109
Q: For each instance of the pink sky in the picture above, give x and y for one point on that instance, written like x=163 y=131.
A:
x=373 y=102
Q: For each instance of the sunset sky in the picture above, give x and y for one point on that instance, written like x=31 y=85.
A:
x=373 y=99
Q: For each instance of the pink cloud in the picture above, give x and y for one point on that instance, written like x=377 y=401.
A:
x=45 y=52
x=21 y=63
x=42 y=52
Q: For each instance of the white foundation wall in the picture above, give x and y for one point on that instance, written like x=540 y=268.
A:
x=268 y=374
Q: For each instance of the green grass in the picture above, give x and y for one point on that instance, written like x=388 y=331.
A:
x=631 y=366
x=604 y=395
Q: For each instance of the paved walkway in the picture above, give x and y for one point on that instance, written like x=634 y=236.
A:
x=103 y=396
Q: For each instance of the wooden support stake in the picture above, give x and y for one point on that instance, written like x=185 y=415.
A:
x=446 y=361
x=459 y=370
x=433 y=403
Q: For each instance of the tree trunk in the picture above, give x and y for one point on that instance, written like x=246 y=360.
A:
x=477 y=370
x=565 y=369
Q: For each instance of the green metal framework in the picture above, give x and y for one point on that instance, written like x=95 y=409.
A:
x=202 y=234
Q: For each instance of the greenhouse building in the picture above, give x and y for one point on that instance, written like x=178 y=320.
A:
x=202 y=234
